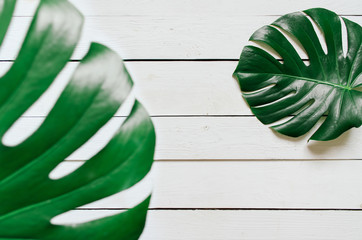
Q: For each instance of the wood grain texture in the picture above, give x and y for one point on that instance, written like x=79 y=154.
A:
x=242 y=225
x=253 y=225
x=200 y=7
x=243 y=185
x=169 y=37
x=217 y=138
x=168 y=88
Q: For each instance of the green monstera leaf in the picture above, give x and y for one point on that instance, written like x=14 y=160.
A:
x=29 y=199
x=329 y=85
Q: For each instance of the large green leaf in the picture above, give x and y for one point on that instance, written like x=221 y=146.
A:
x=29 y=199
x=329 y=85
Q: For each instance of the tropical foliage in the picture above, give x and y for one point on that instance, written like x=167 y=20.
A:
x=329 y=85
x=29 y=199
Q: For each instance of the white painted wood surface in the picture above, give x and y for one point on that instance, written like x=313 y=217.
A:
x=245 y=224
x=219 y=173
x=219 y=138
x=253 y=225
x=246 y=184
x=163 y=37
x=195 y=88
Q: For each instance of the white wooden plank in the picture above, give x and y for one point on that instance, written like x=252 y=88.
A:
x=240 y=138
x=253 y=225
x=168 y=88
x=172 y=37
x=248 y=184
x=252 y=184
x=244 y=138
x=200 y=7
x=242 y=225
x=188 y=88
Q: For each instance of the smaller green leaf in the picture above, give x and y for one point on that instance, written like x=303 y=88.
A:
x=328 y=85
